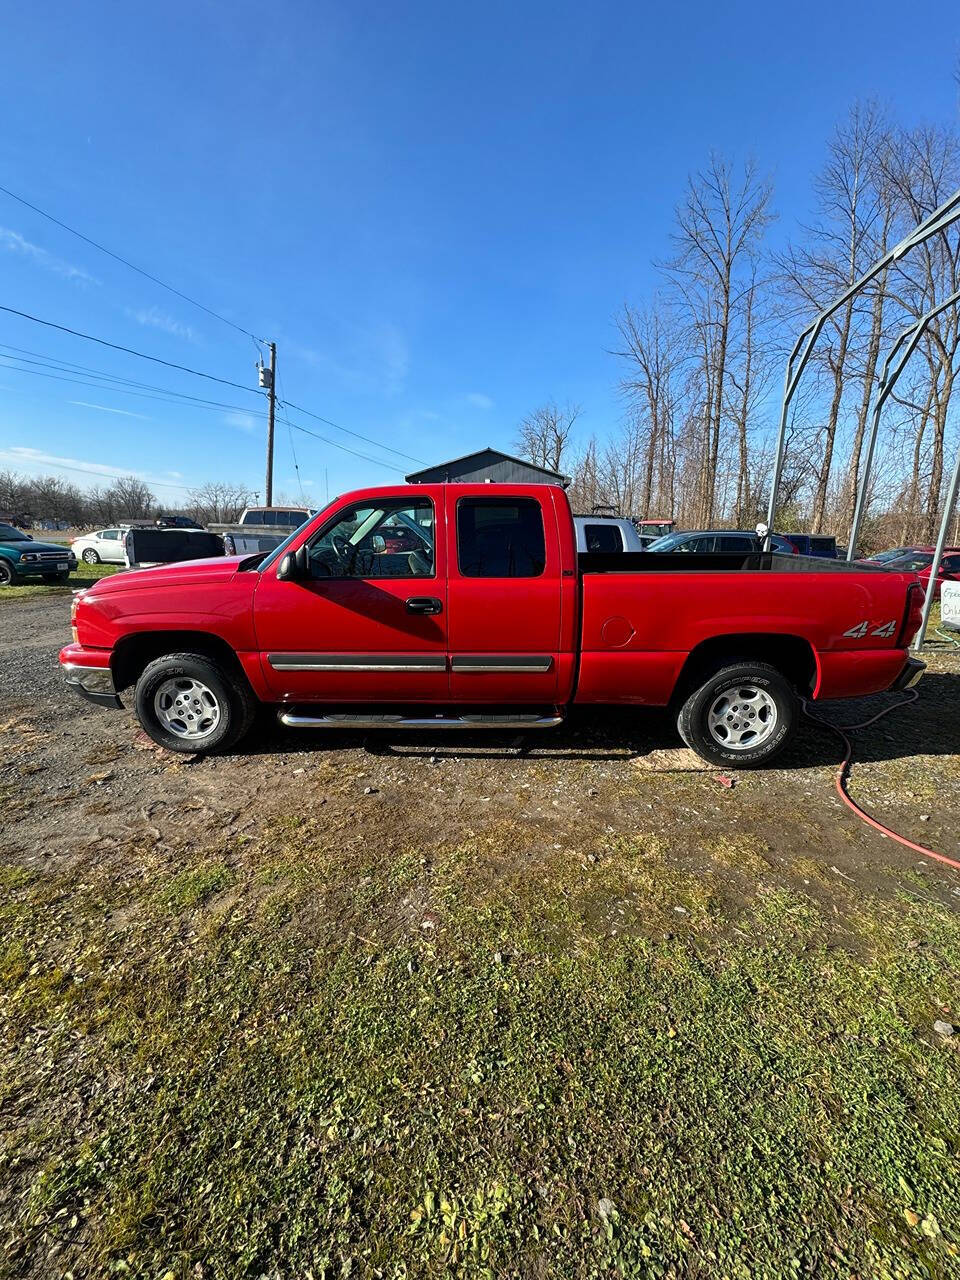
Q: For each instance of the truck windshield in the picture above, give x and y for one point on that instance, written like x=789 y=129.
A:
x=666 y=543
x=9 y=534
x=268 y=558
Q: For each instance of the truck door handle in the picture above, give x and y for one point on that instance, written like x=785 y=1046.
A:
x=424 y=604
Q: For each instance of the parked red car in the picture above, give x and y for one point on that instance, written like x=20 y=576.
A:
x=919 y=561
x=493 y=622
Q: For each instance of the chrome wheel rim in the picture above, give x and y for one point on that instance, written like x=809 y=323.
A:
x=742 y=717
x=90 y=557
x=187 y=708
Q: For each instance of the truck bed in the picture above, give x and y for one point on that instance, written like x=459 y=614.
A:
x=644 y=613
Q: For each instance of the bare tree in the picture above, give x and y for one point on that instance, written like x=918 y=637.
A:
x=132 y=498
x=720 y=225
x=923 y=168
x=838 y=247
x=543 y=436
x=650 y=350
x=217 y=502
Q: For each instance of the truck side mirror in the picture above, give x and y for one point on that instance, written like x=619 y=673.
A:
x=295 y=566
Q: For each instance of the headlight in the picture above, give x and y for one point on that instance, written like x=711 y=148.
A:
x=29 y=556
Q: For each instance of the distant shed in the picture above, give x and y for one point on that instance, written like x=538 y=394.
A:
x=487 y=465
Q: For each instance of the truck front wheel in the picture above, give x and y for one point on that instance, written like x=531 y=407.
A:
x=186 y=702
x=741 y=717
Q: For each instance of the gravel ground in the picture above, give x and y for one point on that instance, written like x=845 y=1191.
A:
x=74 y=778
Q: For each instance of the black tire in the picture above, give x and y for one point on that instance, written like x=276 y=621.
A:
x=89 y=556
x=7 y=576
x=749 y=716
x=236 y=705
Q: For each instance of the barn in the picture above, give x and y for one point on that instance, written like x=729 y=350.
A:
x=487 y=465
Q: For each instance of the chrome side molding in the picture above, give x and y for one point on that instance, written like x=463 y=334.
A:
x=364 y=662
x=511 y=664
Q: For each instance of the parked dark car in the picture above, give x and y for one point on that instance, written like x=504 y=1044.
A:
x=894 y=553
x=814 y=544
x=729 y=541
x=177 y=522
x=23 y=557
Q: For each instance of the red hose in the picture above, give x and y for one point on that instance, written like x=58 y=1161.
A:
x=843 y=773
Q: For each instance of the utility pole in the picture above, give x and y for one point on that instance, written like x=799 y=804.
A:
x=268 y=379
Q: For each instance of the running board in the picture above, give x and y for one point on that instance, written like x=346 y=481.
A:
x=294 y=720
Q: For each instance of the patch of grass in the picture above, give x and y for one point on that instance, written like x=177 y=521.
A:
x=314 y=1083
x=83 y=576
x=192 y=887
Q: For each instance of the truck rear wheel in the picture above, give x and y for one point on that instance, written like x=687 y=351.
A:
x=741 y=717
x=186 y=702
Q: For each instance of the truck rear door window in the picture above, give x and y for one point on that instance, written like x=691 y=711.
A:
x=603 y=538
x=731 y=543
x=500 y=538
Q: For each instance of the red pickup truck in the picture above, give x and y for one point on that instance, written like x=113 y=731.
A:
x=467 y=606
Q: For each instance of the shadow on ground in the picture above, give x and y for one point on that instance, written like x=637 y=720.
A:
x=928 y=726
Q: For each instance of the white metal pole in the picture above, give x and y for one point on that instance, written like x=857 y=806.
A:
x=938 y=553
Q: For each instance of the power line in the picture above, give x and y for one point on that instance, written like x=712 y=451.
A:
x=167 y=396
x=130 y=351
x=344 y=448
x=133 y=267
x=296 y=465
x=66 y=366
x=378 y=444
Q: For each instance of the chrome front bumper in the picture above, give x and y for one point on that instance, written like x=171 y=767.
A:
x=93 y=683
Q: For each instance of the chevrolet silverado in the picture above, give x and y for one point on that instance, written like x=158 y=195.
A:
x=467 y=606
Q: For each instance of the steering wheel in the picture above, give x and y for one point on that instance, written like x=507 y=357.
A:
x=341 y=547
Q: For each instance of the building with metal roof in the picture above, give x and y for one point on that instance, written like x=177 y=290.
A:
x=487 y=465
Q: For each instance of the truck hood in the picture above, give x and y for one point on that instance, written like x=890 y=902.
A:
x=184 y=573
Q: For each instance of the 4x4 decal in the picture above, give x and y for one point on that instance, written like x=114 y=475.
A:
x=861 y=629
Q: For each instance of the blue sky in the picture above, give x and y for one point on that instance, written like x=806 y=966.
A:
x=434 y=209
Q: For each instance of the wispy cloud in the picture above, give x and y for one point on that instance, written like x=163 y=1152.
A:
x=369 y=357
x=478 y=400
x=154 y=318
x=242 y=421
x=23 y=456
x=14 y=242
x=105 y=408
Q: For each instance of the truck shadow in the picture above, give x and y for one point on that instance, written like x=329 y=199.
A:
x=930 y=725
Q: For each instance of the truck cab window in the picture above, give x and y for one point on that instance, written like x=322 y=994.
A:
x=389 y=539
x=603 y=538
x=500 y=538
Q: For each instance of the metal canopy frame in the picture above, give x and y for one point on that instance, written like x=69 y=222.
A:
x=941 y=218
x=921 y=636
x=888 y=380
